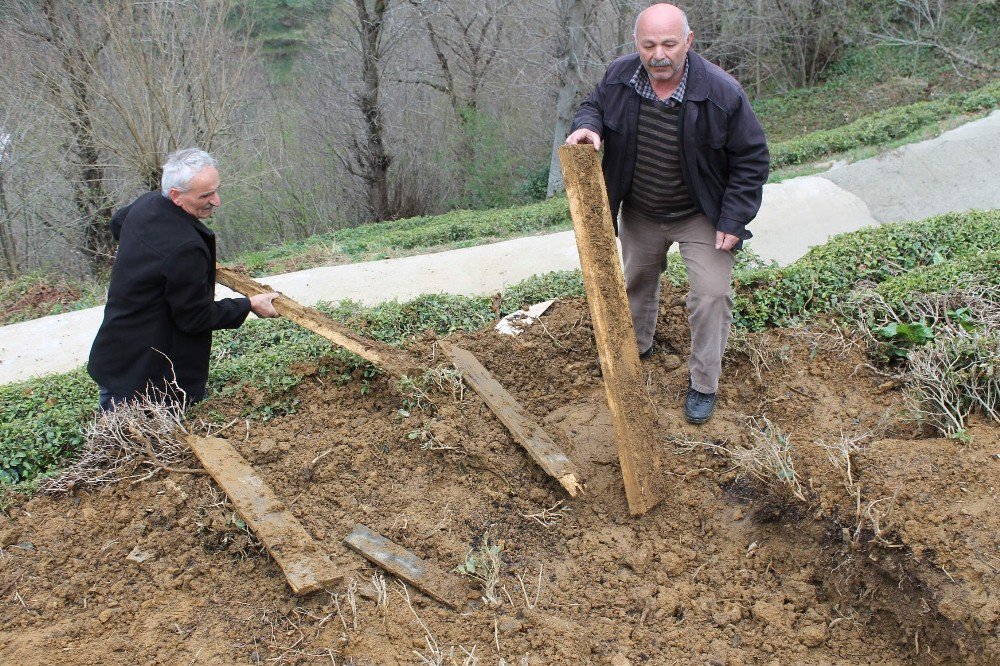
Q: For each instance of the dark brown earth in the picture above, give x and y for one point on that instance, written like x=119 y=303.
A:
x=39 y=300
x=895 y=564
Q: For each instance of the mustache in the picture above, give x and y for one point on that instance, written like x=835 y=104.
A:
x=661 y=62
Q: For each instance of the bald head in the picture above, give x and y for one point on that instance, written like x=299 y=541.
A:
x=658 y=14
x=663 y=38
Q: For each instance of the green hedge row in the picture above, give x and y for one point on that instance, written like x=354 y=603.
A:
x=882 y=127
x=453 y=227
x=937 y=278
x=779 y=296
x=458 y=227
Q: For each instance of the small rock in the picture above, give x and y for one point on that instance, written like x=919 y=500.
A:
x=139 y=556
x=620 y=660
x=89 y=513
x=509 y=625
x=813 y=635
x=106 y=615
x=266 y=445
x=671 y=362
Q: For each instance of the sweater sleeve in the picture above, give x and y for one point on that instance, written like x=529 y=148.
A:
x=191 y=299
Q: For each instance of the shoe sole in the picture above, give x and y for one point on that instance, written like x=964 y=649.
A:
x=696 y=421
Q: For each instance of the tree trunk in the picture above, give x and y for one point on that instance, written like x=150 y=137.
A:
x=375 y=156
x=570 y=54
x=8 y=249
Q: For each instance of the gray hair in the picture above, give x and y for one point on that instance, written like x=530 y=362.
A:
x=684 y=16
x=181 y=167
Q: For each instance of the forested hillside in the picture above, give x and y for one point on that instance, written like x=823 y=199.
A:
x=328 y=114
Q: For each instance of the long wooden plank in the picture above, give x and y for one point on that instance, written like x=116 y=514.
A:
x=527 y=432
x=403 y=564
x=631 y=409
x=390 y=359
x=306 y=567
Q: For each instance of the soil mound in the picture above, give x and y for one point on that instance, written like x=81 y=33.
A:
x=861 y=541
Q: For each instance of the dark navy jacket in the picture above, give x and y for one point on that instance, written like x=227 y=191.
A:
x=161 y=307
x=724 y=157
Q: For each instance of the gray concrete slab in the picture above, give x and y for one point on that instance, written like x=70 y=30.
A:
x=802 y=212
x=956 y=171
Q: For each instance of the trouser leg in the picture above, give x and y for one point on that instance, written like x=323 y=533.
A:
x=644 y=253
x=710 y=299
x=109 y=401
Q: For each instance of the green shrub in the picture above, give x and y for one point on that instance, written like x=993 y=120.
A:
x=42 y=422
x=779 y=296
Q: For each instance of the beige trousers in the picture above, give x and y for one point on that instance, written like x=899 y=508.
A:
x=710 y=273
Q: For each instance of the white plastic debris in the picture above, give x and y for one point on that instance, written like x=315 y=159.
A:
x=516 y=322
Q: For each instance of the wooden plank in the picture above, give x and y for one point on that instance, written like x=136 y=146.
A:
x=403 y=564
x=390 y=359
x=526 y=432
x=631 y=408
x=306 y=567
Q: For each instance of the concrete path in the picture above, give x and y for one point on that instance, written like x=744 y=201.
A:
x=957 y=171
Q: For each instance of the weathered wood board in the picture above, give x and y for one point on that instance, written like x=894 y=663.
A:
x=390 y=359
x=526 y=431
x=306 y=567
x=403 y=564
x=631 y=408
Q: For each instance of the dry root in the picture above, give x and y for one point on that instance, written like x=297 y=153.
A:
x=135 y=441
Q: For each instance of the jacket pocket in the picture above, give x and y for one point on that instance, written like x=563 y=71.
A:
x=714 y=126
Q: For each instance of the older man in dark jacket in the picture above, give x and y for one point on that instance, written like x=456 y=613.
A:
x=156 y=337
x=685 y=159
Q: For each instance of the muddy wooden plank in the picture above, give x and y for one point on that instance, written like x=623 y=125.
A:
x=390 y=359
x=306 y=567
x=631 y=409
x=526 y=431
x=404 y=565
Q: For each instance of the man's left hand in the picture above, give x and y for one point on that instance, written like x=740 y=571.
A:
x=262 y=305
x=724 y=241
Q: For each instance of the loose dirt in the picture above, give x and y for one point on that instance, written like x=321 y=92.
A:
x=893 y=563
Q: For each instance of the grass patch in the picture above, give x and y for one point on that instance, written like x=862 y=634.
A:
x=459 y=228
x=883 y=127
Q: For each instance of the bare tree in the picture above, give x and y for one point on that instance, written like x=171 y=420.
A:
x=176 y=77
x=371 y=159
x=69 y=42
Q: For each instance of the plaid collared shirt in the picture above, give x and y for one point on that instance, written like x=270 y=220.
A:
x=640 y=81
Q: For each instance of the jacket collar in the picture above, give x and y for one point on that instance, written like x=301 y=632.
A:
x=697 y=83
x=198 y=225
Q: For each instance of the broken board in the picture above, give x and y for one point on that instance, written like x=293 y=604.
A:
x=527 y=432
x=406 y=566
x=305 y=566
x=384 y=356
x=631 y=408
